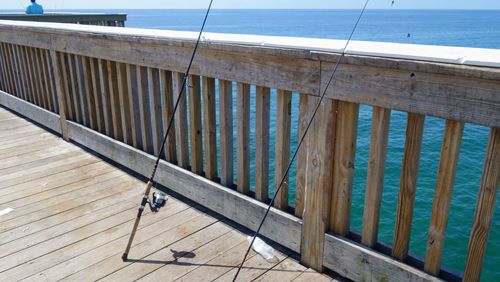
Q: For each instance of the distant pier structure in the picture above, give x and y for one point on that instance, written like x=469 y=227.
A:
x=76 y=18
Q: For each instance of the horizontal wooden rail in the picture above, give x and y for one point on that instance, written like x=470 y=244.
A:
x=113 y=91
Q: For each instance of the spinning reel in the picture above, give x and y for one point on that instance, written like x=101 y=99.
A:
x=159 y=200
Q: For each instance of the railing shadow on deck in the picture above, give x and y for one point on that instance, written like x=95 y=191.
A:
x=113 y=93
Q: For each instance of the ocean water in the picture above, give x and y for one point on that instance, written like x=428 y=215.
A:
x=437 y=27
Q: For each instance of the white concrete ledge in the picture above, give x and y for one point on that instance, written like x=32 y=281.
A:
x=442 y=54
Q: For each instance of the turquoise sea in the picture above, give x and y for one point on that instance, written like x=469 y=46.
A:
x=469 y=28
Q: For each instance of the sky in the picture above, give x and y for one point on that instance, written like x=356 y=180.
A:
x=253 y=4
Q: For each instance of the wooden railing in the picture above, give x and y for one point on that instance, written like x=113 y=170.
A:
x=76 y=18
x=113 y=92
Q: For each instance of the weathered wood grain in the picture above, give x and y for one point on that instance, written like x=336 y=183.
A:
x=485 y=206
x=304 y=117
x=181 y=126
x=226 y=131
x=195 y=126
x=155 y=109
x=209 y=128
x=262 y=108
x=243 y=138
x=359 y=263
x=343 y=166
x=282 y=146
x=61 y=99
x=381 y=119
x=408 y=186
x=318 y=183
x=144 y=111
x=167 y=105
x=450 y=150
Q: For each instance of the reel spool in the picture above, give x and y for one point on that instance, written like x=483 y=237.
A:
x=158 y=202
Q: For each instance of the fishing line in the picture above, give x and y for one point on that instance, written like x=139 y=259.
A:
x=159 y=200
x=301 y=140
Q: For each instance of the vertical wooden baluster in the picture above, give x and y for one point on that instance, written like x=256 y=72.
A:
x=20 y=67
x=88 y=92
x=195 y=124
x=318 y=185
x=114 y=101
x=38 y=78
x=243 y=138
x=51 y=82
x=96 y=90
x=59 y=89
x=304 y=116
x=29 y=75
x=8 y=69
x=63 y=67
x=142 y=86
x=17 y=68
x=485 y=207
x=121 y=74
x=42 y=80
x=408 y=185
x=381 y=119
x=343 y=166
x=82 y=90
x=74 y=88
x=11 y=70
x=106 y=108
x=133 y=99
x=46 y=80
x=262 y=143
x=226 y=131
x=181 y=128
x=282 y=146
x=3 y=80
x=155 y=108
x=450 y=150
x=209 y=126
x=167 y=109
x=15 y=71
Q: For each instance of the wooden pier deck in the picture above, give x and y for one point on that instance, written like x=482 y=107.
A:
x=72 y=213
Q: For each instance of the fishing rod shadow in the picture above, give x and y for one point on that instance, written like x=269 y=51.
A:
x=190 y=255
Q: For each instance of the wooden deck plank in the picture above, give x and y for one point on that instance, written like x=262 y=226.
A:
x=53 y=181
x=58 y=204
x=166 y=255
x=287 y=270
x=219 y=265
x=114 y=263
x=312 y=275
x=252 y=269
x=72 y=217
x=75 y=257
x=43 y=170
x=182 y=265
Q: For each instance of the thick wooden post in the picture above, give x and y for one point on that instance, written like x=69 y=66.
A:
x=484 y=208
x=318 y=183
x=60 y=96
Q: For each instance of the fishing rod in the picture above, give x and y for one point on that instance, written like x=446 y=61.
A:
x=283 y=178
x=159 y=200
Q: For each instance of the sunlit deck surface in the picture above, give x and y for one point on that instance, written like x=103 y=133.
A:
x=73 y=212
